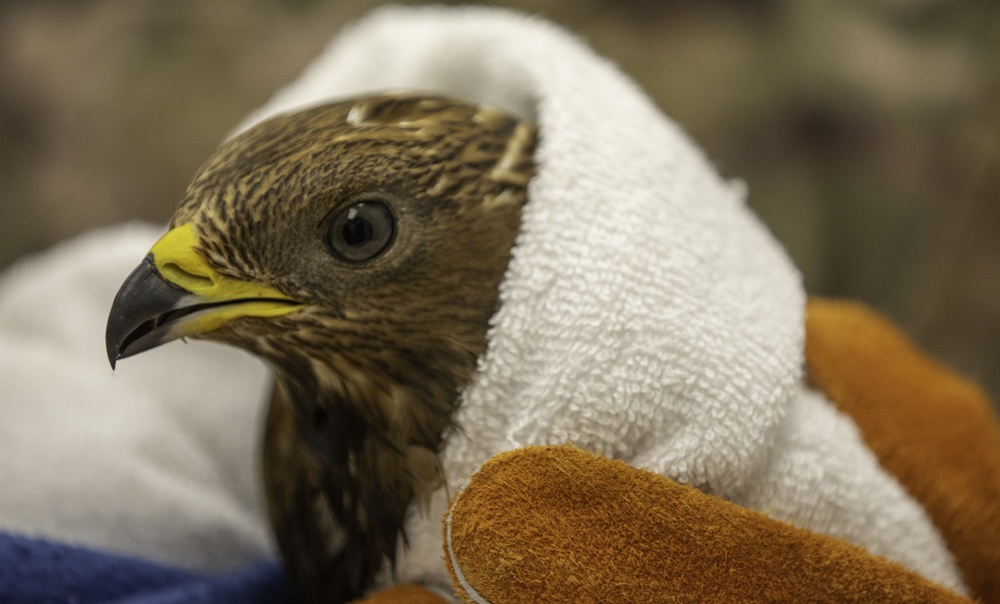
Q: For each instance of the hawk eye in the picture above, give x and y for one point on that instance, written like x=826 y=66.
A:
x=361 y=231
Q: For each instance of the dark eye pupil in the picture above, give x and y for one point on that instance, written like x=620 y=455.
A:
x=361 y=231
x=357 y=231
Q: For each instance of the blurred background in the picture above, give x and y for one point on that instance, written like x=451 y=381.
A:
x=868 y=131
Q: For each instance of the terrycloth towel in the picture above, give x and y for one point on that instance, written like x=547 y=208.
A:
x=646 y=313
x=158 y=461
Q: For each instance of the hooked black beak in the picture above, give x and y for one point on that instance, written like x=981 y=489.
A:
x=143 y=311
x=174 y=293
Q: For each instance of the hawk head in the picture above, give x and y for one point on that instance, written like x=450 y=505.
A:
x=358 y=248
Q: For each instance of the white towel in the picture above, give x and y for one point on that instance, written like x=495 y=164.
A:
x=158 y=459
x=646 y=313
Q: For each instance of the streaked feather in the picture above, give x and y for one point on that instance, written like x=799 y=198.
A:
x=369 y=374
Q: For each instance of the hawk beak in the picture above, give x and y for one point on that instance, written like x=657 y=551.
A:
x=174 y=293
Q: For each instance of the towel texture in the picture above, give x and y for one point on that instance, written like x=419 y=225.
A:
x=159 y=460
x=646 y=314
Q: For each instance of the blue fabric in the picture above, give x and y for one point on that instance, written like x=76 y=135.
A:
x=38 y=571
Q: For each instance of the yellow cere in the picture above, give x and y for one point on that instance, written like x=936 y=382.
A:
x=176 y=258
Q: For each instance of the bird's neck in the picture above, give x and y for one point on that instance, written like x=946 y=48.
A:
x=374 y=446
x=355 y=421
